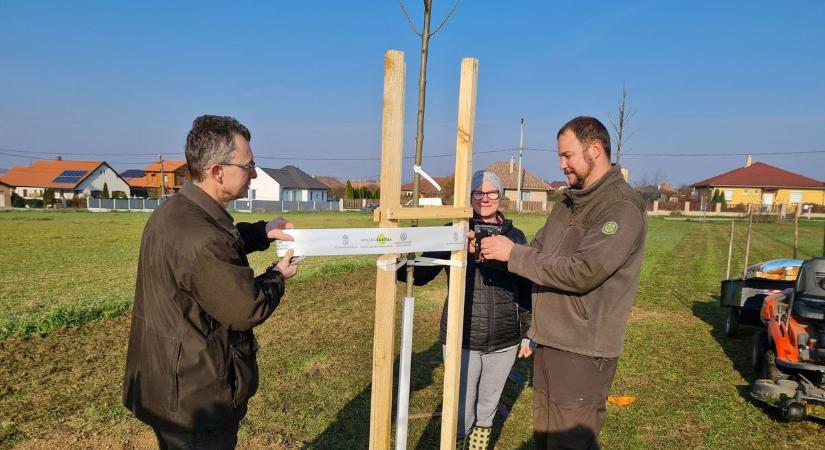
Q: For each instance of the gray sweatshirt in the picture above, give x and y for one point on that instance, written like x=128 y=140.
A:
x=585 y=264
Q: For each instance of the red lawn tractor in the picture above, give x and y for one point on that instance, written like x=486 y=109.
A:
x=789 y=354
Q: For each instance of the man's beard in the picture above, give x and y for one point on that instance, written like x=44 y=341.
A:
x=579 y=183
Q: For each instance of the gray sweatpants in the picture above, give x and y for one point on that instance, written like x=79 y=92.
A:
x=483 y=375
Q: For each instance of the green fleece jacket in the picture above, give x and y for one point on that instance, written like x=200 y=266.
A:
x=585 y=264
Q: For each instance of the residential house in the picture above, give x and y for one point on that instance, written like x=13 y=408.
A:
x=763 y=184
x=533 y=188
x=427 y=190
x=5 y=195
x=66 y=179
x=288 y=183
x=331 y=182
x=147 y=182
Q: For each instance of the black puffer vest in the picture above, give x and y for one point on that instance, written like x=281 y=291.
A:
x=496 y=302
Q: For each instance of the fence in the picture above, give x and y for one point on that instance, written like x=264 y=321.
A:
x=246 y=205
x=528 y=206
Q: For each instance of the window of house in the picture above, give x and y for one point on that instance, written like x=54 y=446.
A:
x=25 y=193
x=746 y=191
x=728 y=195
x=796 y=197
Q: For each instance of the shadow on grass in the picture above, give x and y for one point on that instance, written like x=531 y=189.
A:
x=351 y=429
x=737 y=348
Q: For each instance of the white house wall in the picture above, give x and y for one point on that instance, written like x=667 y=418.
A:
x=265 y=187
x=104 y=175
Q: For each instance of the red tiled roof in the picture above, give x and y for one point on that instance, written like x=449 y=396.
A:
x=760 y=174
x=43 y=173
x=141 y=182
x=556 y=185
x=425 y=188
x=529 y=181
x=330 y=182
x=170 y=165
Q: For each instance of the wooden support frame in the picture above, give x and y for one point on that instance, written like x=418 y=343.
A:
x=388 y=215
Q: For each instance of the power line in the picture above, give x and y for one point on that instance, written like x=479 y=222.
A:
x=31 y=155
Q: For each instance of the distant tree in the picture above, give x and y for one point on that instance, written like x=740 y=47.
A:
x=620 y=123
x=48 y=197
x=105 y=193
x=348 y=192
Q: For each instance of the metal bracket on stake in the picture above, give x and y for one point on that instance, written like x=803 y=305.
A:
x=417 y=169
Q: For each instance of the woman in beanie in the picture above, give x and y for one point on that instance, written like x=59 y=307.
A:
x=496 y=318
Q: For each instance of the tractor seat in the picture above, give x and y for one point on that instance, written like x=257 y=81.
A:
x=812 y=308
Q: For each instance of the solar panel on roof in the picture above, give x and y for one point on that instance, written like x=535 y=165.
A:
x=69 y=176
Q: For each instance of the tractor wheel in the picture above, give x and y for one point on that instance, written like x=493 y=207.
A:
x=760 y=345
x=732 y=321
x=793 y=411
x=768 y=370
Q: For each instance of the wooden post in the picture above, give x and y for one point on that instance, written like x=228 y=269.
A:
x=796 y=229
x=389 y=214
x=455 y=305
x=392 y=141
x=730 y=249
x=748 y=240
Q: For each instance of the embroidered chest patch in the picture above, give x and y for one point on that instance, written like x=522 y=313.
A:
x=610 y=228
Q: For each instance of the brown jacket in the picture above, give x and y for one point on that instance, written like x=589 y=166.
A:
x=585 y=264
x=191 y=364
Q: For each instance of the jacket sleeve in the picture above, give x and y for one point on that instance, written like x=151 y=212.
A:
x=227 y=289
x=525 y=305
x=423 y=274
x=615 y=234
x=525 y=292
x=253 y=236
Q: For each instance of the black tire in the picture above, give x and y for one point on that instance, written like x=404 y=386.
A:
x=793 y=411
x=732 y=321
x=768 y=370
x=760 y=345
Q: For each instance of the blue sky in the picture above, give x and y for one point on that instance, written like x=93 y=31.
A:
x=122 y=81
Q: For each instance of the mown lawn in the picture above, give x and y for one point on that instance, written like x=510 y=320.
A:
x=60 y=387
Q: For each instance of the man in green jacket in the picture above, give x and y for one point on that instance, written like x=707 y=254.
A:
x=190 y=364
x=585 y=265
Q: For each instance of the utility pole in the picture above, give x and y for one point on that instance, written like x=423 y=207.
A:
x=520 y=154
x=162 y=175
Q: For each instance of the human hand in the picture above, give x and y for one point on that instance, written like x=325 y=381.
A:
x=287 y=270
x=274 y=229
x=526 y=348
x=525 y=351
x=471 y=241
x=496 y=247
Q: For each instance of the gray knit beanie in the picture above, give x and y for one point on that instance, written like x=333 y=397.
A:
x=485 y=175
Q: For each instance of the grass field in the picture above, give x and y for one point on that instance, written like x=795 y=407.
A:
x=66 y=285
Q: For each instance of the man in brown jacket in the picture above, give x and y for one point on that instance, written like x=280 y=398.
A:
x=190 y=365
x=585 y=265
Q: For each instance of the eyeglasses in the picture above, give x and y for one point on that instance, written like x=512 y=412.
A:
x=248 y=167
x=478 y=195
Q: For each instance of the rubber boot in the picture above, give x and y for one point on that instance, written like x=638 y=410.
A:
x=461 y=443
x=479 y=438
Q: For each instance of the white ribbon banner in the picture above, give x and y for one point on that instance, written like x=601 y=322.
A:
x=372 y=241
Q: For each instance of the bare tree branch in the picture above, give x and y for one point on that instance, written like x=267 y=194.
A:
x=409 y=19
x=455 y=5
x=620 y=123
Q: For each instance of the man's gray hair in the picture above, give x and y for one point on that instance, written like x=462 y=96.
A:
x=212 y=141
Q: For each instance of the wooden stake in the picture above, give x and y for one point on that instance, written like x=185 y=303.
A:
x=730 y=249
x=796 y=229
x=455 y=302
x=748 y=240
x=392 y=141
